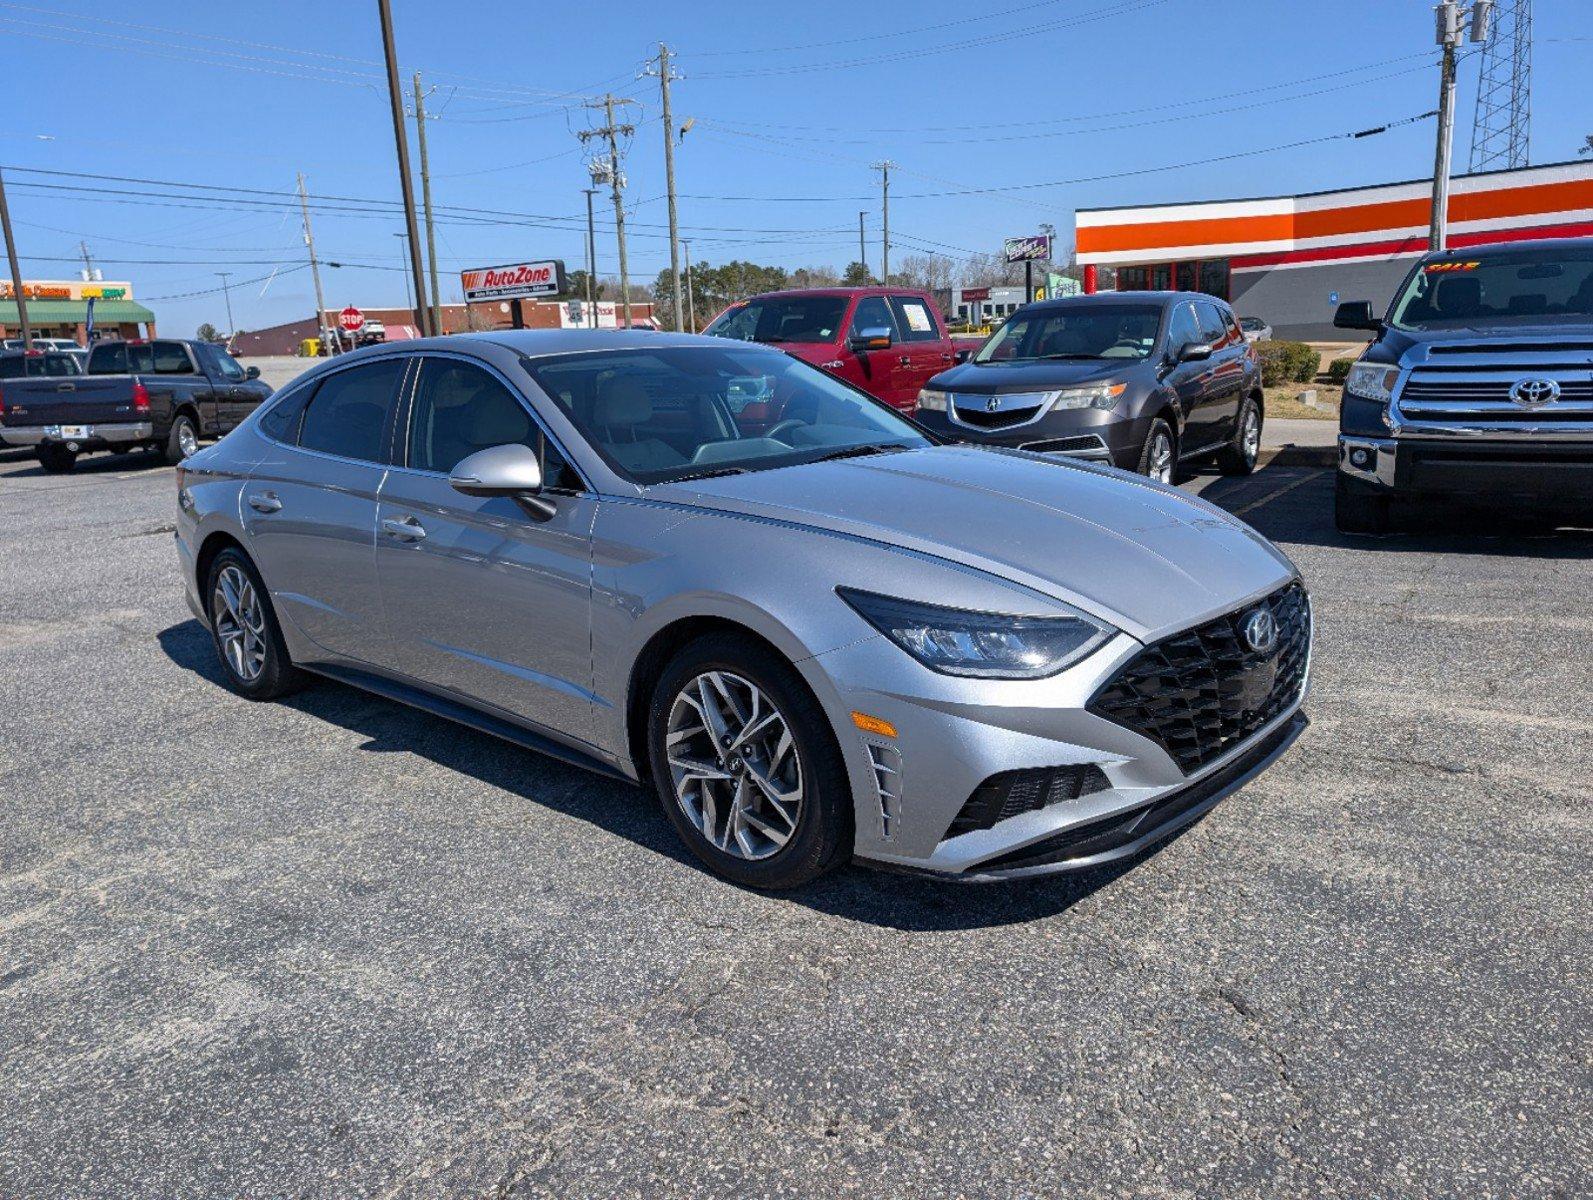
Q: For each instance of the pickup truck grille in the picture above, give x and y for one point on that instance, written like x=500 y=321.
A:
x=1470 y=388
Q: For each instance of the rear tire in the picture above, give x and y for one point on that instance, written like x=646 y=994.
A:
x=1358 y=510
x=1239 y=456
x=56 y=459
x=1158 y=458
x=821 y=838
x=182 y=441
x=243 y=627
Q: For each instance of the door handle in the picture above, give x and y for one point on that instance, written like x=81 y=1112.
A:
x=265 y=502
x=66 y=387
x=408 y=530
x=904 y=361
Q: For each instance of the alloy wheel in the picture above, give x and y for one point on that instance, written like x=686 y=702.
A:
x=187 y=439
x=1161 y=458
x=240 y=623
x=1252 y=435
x=734 y=765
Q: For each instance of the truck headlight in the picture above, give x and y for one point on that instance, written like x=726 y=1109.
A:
x=1104 y=395
x=989 y=645
x=930 y=400
x=1372 y=381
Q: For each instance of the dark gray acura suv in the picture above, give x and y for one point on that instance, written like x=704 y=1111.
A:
x=1141 y=380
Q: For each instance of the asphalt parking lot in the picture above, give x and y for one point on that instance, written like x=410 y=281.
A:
x=333 y=947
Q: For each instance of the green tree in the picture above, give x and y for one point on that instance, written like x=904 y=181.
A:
x=208 y=333
x=856 y=275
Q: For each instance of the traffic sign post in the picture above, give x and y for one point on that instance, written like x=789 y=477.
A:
x=351 y=320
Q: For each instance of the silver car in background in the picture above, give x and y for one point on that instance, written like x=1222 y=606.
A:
x=815 y=631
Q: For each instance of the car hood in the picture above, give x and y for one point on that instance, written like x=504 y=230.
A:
x=1147 y=558
x=986 y=379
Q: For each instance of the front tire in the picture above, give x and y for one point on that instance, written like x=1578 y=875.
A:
x=1239 y=456
x=747 y=766
x=182 y=441
x=56 y=459
x=244 y=629
x=1358 y=510
x=1158 y=458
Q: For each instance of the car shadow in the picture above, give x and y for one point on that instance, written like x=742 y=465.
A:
x=92 y=464
x=885 y=898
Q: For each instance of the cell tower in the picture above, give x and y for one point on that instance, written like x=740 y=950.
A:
x=1502 y=130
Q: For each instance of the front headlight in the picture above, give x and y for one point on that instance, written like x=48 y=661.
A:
x=1103 y=395
x=1372 y=381
x=990 y=645
x=930 y=400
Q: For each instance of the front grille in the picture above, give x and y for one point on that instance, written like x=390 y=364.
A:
x=1467 y=386
x=1012 y=792
x=980 y=419
x=1201 y=692
x=1486 y=389
x=1551 y=346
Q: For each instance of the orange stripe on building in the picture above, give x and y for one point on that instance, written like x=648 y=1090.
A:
x=1493 y=204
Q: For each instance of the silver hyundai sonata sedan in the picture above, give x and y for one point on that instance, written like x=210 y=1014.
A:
x=816 y=632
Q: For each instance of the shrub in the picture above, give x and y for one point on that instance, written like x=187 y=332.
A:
x=1339 y=370
x=1287 y=362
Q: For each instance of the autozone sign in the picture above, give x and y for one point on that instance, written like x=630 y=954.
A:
x=516 y=281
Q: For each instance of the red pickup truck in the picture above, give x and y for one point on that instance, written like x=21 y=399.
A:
x=887 y=341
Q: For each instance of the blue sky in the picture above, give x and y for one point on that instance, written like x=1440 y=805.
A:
x=791 y=105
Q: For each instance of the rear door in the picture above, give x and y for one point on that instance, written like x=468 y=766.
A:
x=1226 y=370
x=925 y=350
x=481 y=599
x=236 y=396
x=309 y=507
x=879 y=372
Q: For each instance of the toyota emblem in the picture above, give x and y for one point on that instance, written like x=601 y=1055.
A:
x=1260 y=631
x=1534 y=393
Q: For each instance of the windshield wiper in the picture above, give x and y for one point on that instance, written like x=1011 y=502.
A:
x=1073 y=356
x=859 y=451
x=714 y=473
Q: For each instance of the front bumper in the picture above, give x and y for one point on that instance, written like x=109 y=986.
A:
x=1541 y=472
x=954 y=735
x=94 y=437
x=1097 y=435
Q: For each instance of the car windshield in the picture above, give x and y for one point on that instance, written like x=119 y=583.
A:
x=36 y=365
x=1251 y=324
x=1076 y=331
x=681 y=412
x=1512 y=287
x=782 y=319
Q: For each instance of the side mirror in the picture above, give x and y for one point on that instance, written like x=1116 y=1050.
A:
x=963 y=356
x=251 y=372
x=513 y=471
x=1194 y=352
x=875 y=337
x=1356 y=314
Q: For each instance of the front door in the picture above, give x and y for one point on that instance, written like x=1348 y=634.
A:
x=309 y=510
x=482 y=599
x=1191 y=379
x=881 y=373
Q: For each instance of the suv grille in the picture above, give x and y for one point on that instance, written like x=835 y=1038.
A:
x=1467 y=386
x=1021 y=407
x=1201 y=692
x=1012 y=792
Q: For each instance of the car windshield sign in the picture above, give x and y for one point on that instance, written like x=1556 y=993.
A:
x=680 y=412
x=1076 y=331
x=1552 y=286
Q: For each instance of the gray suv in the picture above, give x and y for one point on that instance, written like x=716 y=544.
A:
x=1141 y=380
x=704 y=564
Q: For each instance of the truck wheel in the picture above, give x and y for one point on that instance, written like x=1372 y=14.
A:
x=1239 y=456
x=56 y=459
x=182 y=441
x=1357 y=510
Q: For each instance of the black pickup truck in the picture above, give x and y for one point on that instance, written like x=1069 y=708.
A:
x=162 y=395
x=1477 y=388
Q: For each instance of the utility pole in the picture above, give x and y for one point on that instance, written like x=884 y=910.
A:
x=425 y=197
x=884 y=168
x=16 y=271
x=403 y=259
x=1451 y=17
x=665 y=77
x=862 y=243
x=227 y=292
x=88 y=263
x=691 y=304
x=591 y=257
x=395 y=98
x=315 y=271
x=610 y=172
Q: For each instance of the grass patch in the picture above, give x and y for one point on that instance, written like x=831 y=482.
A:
x=1283 y=401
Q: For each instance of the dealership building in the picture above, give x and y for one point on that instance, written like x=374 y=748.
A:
x=59 y=308
x=1290 y=259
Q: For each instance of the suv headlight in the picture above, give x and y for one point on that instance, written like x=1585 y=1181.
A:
x=989 y=645
x=1104 y=395
x=1372 y=381
x=930 y=400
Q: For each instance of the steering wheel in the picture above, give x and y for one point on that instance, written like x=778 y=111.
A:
x=779 y=427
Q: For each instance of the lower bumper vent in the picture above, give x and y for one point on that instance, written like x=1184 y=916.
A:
x=1012 y=792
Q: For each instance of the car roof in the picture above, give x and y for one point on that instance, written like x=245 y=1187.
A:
x=537 y=343
x=1529 y=245
x=873 y=289
x=1145 y=297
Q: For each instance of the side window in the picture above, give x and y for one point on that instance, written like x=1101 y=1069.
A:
x=1236 y=336
x=1182 y=330
x=171 y=358
x=872 y=313
x=108 y=358
x=459 y=409
x=915 y=320
x=223 y=364
x=281 y=420
x=1213 y=328
x=349 y=410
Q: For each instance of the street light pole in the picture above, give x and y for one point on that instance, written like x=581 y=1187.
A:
x=665 y=78
x=16 y=271
x=395 y=98
x=425 y=196
x=1451 y=18
x=884 y=168
x=591 y=256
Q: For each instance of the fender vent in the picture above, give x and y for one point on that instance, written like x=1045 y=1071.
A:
x=1012 y=792
x=887 y=762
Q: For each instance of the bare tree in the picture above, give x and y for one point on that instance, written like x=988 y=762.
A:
x=929 y=272
x=988 y=270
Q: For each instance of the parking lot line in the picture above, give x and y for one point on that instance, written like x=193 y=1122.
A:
x=1284 y=490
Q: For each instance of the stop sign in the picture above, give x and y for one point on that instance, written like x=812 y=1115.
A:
x=351 y=319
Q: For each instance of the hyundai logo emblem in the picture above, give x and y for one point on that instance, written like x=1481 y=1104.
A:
x=993 y=404
x=1533 y=393
x=1260 y=631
